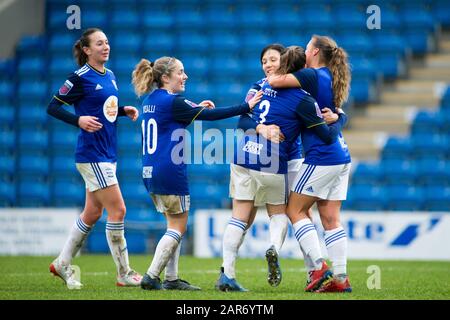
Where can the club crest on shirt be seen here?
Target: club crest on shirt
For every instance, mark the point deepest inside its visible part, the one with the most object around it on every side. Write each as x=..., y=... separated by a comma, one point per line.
x=192, y=104
x=66, y=87
x=111, y=108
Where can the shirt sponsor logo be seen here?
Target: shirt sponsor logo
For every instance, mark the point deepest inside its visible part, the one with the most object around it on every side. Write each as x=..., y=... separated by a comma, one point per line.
x=111, y=108
x=147, y=172
x=66, y=87
x=253, y=147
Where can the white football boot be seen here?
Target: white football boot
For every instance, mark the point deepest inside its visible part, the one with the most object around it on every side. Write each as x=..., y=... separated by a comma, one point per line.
x=66, y=273
x=130, y=279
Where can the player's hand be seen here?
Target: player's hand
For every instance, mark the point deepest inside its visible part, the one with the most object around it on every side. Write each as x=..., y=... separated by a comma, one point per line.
x=89, y=123
x=329, y=116
x=208, y=104
x=270, y=132
x=131, y=112
x=256, y=98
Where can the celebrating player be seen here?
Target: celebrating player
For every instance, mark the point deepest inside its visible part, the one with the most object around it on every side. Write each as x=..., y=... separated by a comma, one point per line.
x=166, y=114
x=92, y=90
x=262, y=166
x=327, y=79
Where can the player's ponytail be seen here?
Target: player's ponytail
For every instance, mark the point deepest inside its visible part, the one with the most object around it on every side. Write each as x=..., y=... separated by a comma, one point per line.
x=336, y=59
x=148, y=75
x=78, y=52
x=142, y=77
x=292, y=59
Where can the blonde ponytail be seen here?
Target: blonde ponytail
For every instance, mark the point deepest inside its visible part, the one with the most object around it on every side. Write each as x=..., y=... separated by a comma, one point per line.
x=336, y=59
x=142, y=78
x=340, y=71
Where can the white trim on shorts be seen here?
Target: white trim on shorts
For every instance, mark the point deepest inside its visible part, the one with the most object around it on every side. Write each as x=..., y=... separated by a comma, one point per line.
x=98, y=175
x=294, y=167
x=324, y=182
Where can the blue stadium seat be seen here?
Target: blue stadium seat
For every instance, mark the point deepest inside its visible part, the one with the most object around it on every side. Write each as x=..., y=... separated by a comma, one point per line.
x=32, y=91
x=34, y=165
x=194, y=64
x=397, y=148
x=362, y=89
x=33, y=140
x=429, y=146
x=33, y=194
x=159, y=41
x=426, y=123
x=224, y=43
x=7, y=115
x=404, y=198
x=190, y=19
x=7, y=89
x=7, y=69
x=437, y=198
x=31, y=46
x=33, y=115
x=364, y=67
x=398, y=172
x=96, y=241
x=63, y=164
x=225, y=21
x=209, y=196
x=7, y=141
x=60, y=67
x=135, y=194
x=127, y=43
x=349, y=17
x=224, y=68
x=366, y=173
x=7, y=194
x=433, y=172
x=125, y=19
x=158, y=20
x=93, y=18
x=7, y=165
x=441, y=12
x=192, y=41
x=366, y=197
x=64, y=138
x=67, y=194
x=62, y=43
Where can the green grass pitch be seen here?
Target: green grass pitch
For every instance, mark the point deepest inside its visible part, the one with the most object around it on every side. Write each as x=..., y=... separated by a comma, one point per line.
x=28, y=278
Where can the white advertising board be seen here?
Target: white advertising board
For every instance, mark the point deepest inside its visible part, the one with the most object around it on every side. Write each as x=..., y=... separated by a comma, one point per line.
x=34, y=231
x=374, y=235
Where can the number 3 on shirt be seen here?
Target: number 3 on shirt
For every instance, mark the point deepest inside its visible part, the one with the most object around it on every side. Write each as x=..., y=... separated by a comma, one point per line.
x=149, y=136
x=265, y=104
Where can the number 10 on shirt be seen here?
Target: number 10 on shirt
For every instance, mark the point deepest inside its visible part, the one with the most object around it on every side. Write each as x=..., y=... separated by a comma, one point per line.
x=149, y=136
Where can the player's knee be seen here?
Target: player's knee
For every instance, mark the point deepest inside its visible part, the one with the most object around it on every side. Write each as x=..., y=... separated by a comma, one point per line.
x=330, y=223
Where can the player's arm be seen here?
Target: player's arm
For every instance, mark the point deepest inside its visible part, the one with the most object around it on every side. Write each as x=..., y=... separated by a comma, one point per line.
x=187, y=111
x=283, y=81
x=308, y=110
x=303, y=78
x=70, y=92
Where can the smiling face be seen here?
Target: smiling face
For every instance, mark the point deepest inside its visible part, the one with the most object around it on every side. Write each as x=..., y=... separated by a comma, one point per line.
x=176, y=80
x=270, y=61
x=98, y=50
